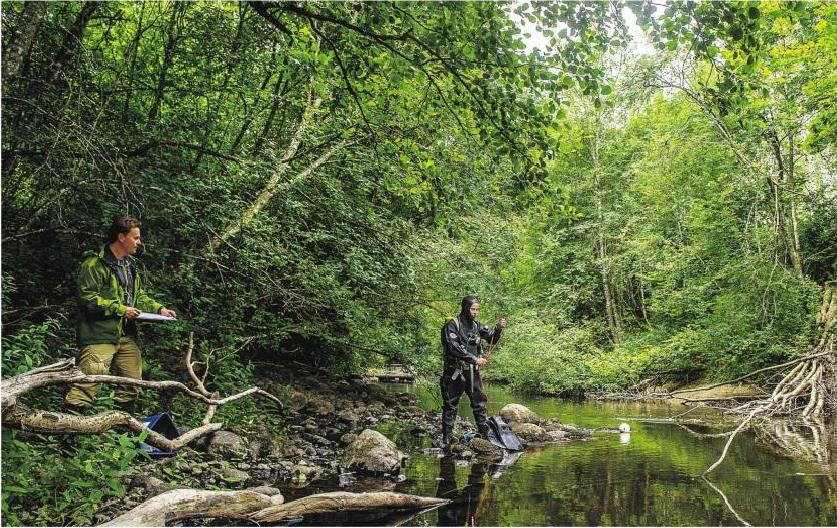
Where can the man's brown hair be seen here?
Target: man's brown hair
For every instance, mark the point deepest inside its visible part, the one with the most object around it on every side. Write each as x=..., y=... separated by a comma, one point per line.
x=122, y=224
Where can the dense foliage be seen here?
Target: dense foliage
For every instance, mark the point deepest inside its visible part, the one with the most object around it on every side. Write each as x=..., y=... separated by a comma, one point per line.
x=322, y=182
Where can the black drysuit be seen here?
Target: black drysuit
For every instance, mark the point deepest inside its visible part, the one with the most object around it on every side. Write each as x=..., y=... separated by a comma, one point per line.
x=462, y=340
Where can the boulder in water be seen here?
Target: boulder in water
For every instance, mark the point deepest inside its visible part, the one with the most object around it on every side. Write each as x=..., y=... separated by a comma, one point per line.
x=516, y=413
x=529, y=432
x=484, y=448
x=372, y=452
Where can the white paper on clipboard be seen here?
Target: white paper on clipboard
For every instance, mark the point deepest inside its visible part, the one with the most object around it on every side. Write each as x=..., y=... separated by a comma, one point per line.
x=156, y=318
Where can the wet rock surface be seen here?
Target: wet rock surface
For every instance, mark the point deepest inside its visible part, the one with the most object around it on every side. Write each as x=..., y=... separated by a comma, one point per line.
x=372, y=452
x=516, y=413
x=326, y=434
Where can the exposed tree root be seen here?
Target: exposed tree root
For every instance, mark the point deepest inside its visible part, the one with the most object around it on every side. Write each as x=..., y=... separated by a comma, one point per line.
x=726, y=501
x=807, y=385
x=188, y=503
x=807, y=390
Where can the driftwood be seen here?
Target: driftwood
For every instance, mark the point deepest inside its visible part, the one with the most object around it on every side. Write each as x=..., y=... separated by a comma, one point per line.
x=187, y=503
x=62, y=423
x=341, y=501
x=65, y=372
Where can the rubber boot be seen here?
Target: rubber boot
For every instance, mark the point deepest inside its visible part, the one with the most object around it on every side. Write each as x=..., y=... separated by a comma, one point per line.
x=483, y=433
x=447, y=441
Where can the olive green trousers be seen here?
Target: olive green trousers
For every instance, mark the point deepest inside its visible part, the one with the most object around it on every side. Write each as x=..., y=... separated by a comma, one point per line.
x=97, y=359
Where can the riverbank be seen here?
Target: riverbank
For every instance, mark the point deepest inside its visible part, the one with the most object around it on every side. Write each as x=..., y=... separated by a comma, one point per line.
x=322, y=417
x=301, y=453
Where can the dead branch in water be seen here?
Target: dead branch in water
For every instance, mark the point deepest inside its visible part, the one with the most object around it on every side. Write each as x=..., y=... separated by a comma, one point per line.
x=247, y=504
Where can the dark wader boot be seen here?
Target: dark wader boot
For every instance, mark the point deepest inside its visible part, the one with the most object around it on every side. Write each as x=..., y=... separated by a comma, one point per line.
x=464, y=379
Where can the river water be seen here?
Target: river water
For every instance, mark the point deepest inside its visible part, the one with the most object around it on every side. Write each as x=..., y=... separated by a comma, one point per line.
x=779, y=476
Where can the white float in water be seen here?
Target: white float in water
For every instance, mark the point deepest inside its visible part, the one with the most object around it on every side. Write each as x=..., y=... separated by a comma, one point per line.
x=624, y=428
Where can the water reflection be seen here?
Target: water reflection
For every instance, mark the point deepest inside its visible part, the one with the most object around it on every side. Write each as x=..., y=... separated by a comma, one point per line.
x=648, y=477
x=464, y=509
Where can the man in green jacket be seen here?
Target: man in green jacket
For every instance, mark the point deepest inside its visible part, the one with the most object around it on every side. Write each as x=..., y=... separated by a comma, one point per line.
x=110, y=298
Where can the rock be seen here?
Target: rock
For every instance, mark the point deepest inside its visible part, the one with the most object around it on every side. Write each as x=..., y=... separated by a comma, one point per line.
x=514, y=412
x=266, y=490
x=333, y=434
x=225, y=444
x=317, y=439
x=372, y=452
x=233, y=475
x=153, y=486
x=320, y=406
x=484, y=448
x=573, y=432
x=556, y=436
x=244, y=466
x=529, y=432
x=348, y=417
x=348, y=438
x=303, y=473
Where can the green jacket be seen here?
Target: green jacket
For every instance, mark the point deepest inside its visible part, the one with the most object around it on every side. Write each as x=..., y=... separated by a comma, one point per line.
x=100, y=300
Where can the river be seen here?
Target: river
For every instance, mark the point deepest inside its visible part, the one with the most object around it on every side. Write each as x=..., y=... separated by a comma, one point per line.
x=651, y=477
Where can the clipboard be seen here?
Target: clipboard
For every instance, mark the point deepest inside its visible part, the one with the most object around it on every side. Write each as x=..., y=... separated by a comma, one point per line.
x=154, y=318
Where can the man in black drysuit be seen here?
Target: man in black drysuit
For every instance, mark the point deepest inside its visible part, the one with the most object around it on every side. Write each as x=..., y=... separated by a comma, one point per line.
x=462, y=340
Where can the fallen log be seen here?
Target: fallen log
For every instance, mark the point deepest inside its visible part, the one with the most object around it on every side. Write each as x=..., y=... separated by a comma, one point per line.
x=189, y=503
x=62, y=423
x=341, y=501
x=246, y=504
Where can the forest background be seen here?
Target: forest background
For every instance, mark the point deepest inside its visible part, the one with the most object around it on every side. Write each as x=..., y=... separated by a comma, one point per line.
x=322, y=183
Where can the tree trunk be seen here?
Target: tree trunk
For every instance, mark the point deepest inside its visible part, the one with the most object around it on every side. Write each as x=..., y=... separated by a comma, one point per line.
x=790, y=241
x=50, y=422
x=791, y=182
x=274, y=107
x=172, y=37
x=611, y=311
x=273, y=184
x=60, y=71
x=16, y=54
x=133, y=49
x=253, y=506
x=233, y=58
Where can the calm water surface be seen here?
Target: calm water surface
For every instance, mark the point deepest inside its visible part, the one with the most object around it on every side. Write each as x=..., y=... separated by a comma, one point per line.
x=650, y=477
